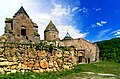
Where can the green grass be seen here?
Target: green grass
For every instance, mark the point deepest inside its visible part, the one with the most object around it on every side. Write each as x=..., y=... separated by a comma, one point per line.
x=100, y=67
x=76, y=73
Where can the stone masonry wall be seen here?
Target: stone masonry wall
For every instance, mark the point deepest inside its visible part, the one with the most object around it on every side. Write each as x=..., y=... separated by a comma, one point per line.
x=92, y=51
x=24, y=57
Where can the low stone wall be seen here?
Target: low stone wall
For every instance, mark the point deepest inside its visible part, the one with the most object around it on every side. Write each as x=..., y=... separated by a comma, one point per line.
x=23, y=58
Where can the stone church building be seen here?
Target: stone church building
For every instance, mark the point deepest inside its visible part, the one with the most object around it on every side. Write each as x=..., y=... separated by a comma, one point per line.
x=86, y=51
x=21, y=27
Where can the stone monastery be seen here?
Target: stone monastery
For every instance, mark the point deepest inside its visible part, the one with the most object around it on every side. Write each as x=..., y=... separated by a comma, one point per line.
x=21, y=27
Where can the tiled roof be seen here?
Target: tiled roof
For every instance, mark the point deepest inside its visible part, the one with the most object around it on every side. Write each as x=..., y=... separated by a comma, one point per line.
x=22, y=10
x=51, y=27
x=67, y=37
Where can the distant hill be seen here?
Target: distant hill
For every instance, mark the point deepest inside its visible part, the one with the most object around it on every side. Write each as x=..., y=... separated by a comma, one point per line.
x=110, y=49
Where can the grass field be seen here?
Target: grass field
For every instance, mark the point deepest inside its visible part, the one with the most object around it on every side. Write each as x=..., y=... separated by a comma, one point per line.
x=99, y=70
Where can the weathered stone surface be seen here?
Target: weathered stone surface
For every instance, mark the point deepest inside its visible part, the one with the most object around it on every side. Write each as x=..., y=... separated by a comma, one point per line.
x=36, y=65
x=13, y=71
x=18, y=54
x=51, y=58
x=41, y=70
x=13, y=51
x=2, y=71
x=9, y=59
x=6, y=69
x=25, y=62
x=1, y=50
x=66, y=52
x=59, y=55
x=72, y=53
x=6, y=63
x=48, y=70
x=19, y=66
x=20, y=58
x=3, y=38
x=3, y=59
x=8, y=72
x=43, y=63
x=38, y=61
x=24, y=66
x=14, y=59
x=65, y=67
x=13, y=67
x=55, y=64
x=22, y=71
x=54, y=69
x=30, y=64
x=37, y=70
x=74, y=60
x=66, y=59
x=42, y=54
x=51, y=64
x=58, y=68
x=59, y=62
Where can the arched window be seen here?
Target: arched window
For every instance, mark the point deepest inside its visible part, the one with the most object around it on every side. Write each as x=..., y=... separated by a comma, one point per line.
x=23, y=30
x=54, y=36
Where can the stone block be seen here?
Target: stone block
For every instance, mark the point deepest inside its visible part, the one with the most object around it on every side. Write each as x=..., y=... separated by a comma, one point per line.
x=44, y=64
x=51, y=64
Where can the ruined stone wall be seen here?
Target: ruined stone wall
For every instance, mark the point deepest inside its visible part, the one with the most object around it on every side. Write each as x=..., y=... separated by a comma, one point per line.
x=24, y=57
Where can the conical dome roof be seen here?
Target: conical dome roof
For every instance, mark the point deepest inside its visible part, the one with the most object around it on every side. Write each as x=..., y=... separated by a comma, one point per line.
x=67, y=37
x=22, y=10
x=51, y=27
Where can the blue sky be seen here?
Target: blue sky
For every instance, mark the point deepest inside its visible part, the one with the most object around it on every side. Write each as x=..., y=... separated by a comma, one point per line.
x=93, y=20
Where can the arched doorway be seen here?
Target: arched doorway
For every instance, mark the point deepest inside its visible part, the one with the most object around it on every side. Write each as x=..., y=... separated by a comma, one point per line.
x=81, y=56
x=80, y=59
x=23, y=30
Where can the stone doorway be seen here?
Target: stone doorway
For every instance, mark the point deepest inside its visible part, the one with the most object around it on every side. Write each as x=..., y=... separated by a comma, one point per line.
x=80, y=59
x=80, y=56
x=88, y=60
x=23, y=31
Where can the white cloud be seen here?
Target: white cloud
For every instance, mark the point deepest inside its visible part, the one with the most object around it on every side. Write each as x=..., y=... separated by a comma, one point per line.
x=117, y=36
x=94, y=25
x=116, y=33
x=97, y=9
x=74, y=9
x=8, y=9
x=103, y=32
x=103, y=22
x=61, y=16
x=99, y=24
x=60, y=11
x=75, y=33
x=84, y=10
